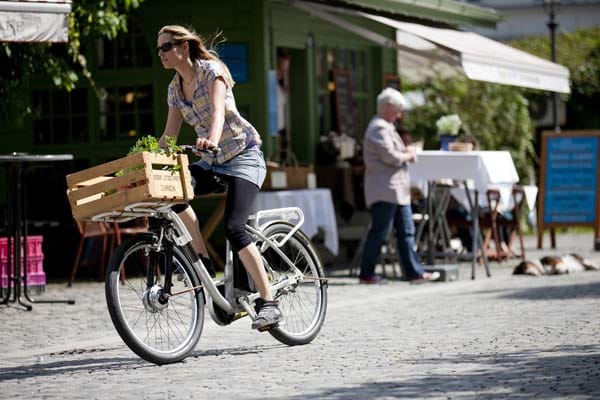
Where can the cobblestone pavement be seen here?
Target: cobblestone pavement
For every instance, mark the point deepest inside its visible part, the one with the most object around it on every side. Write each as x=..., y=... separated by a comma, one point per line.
x=501, y=337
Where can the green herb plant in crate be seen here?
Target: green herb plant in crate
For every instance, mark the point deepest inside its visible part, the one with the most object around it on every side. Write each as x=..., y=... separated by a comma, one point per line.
x=150, y=144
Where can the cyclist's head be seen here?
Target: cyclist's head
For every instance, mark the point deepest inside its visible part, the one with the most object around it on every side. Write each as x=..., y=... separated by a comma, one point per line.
x=197, y=47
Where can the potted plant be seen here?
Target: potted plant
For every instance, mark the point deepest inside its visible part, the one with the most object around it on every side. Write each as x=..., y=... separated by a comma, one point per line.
x=447, y=127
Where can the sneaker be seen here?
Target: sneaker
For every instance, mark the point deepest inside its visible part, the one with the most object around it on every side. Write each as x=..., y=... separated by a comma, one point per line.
x=373, y=280
x=268, y=315
x=427, y=277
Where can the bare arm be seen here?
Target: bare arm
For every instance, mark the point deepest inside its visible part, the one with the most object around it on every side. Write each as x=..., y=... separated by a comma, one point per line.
x=173, y=125
x=217, y=91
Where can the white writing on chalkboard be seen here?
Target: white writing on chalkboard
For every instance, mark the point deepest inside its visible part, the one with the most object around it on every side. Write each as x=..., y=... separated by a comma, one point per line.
x=571, y=177
x=344, y=105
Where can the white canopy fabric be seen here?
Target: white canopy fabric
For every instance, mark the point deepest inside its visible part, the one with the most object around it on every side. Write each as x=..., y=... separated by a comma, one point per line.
x=480, y=58
x=34, y=21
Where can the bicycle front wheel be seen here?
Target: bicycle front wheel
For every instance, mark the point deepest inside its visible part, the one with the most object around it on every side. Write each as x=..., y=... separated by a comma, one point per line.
x=160, y=329
x=303, y=303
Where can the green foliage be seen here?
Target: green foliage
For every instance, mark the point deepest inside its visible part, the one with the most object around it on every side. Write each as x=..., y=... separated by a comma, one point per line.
x=579, y=51
x=63, y=63
x=150, y=143
x=496, y=115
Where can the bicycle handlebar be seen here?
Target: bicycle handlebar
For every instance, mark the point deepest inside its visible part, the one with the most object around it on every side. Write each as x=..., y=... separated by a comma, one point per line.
x=195, y=150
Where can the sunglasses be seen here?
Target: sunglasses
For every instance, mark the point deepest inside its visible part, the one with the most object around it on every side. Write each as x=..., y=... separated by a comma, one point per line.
x=166, y=47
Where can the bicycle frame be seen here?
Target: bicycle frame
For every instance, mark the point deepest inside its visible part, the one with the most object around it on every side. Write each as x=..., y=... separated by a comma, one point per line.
x=182, y=238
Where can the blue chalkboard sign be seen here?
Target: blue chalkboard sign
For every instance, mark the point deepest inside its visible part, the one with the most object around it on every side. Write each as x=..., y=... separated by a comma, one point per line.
x=569, y=192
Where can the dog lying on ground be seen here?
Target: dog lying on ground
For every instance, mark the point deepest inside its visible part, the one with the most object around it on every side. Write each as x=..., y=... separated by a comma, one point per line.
x=551, y=265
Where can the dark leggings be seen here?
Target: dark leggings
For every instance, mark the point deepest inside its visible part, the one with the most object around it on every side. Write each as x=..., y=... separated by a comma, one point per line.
x=240, y=199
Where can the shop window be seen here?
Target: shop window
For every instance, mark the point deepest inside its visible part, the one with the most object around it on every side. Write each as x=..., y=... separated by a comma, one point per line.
x=61, y=116
x=355, y=62
x=129, y=50
x=126, y=113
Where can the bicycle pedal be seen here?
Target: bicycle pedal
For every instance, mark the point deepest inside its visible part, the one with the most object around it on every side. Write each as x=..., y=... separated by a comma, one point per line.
x=268, y=327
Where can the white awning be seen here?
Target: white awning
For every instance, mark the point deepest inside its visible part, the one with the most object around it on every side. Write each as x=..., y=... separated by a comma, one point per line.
x=480, y=58
x=34, y=21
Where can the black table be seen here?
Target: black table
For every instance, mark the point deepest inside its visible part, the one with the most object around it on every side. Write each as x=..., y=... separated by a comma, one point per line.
x=17, y=165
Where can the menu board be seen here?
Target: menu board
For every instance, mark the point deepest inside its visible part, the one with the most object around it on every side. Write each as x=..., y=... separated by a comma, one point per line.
x=344, y=106
x=569, y=179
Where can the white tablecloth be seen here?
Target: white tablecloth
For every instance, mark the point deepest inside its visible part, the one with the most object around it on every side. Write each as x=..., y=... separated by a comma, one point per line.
x=317, y=206
x=482, y=170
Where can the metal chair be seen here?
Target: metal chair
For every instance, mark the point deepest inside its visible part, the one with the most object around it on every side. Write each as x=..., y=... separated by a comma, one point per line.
x=139, y=225
x=489, y=222
x=89, y=230
x=513, y=222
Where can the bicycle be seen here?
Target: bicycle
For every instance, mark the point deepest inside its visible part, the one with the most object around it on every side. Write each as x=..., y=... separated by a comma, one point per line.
x=157, y=287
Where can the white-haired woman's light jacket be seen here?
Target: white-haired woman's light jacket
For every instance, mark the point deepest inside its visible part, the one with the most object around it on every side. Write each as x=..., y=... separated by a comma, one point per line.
x=386, y=164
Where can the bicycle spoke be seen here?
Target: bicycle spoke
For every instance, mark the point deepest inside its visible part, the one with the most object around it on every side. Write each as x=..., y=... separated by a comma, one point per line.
x=154, y=326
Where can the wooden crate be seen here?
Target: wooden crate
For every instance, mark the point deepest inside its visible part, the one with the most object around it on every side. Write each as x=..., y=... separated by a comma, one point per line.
x=287, y=177
x=98, y=190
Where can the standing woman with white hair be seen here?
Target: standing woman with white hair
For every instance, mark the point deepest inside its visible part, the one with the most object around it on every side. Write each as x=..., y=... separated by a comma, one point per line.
x=387, y=191
x=201, y=94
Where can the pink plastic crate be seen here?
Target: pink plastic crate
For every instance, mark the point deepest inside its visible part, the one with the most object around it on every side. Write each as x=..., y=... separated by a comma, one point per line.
x=36, y=279
x=3, y=267
x=35, y=270
x=35, y=265
x=3, y=248
x=33, y=281
x=34, y=246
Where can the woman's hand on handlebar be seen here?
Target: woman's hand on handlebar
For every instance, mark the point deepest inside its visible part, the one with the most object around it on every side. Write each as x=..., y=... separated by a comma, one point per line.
x=198, y=151
x=203, y=143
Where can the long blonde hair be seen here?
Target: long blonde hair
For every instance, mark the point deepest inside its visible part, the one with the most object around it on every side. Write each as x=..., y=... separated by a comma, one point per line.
x=198, y=50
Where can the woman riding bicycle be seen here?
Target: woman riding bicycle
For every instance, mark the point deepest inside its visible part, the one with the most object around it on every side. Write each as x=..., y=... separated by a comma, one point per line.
x=201, y=94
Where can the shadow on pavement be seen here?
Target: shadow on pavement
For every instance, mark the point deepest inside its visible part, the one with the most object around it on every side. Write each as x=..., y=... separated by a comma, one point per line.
x=68, y=367
x=578, y=291
x=510, y=375
x=235, y=351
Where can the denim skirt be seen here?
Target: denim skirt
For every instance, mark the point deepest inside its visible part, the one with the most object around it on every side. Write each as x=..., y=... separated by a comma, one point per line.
x=248, y=165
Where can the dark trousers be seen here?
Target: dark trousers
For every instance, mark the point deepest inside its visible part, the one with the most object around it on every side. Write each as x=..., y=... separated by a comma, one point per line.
x=383, y=217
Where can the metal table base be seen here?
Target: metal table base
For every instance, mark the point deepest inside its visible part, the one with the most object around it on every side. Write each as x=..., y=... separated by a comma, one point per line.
x=17, y=164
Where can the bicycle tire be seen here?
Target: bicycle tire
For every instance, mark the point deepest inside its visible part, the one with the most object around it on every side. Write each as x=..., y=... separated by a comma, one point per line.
x=303, y=305
x=158, y=332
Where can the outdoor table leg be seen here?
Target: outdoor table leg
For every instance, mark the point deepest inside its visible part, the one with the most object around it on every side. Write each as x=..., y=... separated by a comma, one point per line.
x=442, y=229
x=476, y=236
x=438, y=231
x=15, y=203
x=430, y=222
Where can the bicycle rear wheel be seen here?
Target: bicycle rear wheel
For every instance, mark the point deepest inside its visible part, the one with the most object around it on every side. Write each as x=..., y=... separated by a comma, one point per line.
x=303, y=304
x=158, y=329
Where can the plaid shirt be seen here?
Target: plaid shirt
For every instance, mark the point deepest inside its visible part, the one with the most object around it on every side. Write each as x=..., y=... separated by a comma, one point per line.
x=237, y=134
